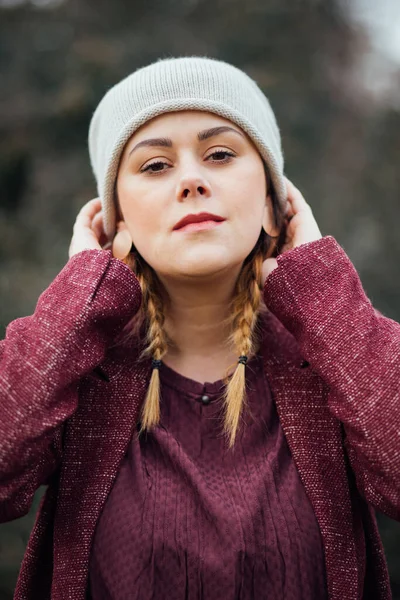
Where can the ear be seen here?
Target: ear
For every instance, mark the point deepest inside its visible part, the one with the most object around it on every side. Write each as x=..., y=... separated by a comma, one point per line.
x=268, y=222
x=121, y=225
x=118, y=213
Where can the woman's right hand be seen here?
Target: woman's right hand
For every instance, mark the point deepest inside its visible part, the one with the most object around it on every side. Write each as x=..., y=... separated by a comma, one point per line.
x=88, y=231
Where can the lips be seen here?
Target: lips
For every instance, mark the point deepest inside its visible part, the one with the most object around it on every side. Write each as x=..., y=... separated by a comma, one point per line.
x=198, y=219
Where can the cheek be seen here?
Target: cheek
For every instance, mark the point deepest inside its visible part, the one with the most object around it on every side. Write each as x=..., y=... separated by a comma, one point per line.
x=142, y=213
x=247, y=203
x=248, y=187
x=144, y=226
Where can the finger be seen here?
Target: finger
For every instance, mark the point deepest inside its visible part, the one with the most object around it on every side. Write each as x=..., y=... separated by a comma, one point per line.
x=97, y=225
x=91, y=206
x=289, y=210
x=289, y=192
x=295, y=198
x=89, y=210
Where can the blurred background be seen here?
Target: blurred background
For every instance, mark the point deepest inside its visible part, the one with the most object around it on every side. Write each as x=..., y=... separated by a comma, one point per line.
x=330, y=68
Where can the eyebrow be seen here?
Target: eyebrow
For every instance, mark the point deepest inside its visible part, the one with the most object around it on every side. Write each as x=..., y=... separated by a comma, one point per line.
x=201, y=136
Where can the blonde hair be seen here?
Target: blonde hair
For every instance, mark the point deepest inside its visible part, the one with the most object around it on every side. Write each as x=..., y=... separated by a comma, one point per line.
x=245, y=308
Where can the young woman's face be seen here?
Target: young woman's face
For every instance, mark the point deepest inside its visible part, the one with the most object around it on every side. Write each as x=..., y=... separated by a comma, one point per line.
x=186, y=163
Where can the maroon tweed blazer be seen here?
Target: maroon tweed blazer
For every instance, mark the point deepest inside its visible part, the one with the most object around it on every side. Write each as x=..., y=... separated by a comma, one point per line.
x=70, y=396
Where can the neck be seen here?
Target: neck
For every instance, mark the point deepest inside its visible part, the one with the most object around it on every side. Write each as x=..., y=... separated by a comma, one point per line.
x=196, y=315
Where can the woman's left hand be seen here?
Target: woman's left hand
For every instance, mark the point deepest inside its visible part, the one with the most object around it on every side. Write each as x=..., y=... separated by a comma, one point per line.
x=301, y=226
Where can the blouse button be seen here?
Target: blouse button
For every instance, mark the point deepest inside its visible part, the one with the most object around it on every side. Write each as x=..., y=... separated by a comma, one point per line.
x=205, y=399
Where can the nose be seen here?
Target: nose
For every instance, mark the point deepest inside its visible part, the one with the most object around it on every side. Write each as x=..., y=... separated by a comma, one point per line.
x=192, y=186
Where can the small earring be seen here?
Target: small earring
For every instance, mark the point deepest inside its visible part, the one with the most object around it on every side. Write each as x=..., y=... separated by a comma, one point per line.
x=122, y=244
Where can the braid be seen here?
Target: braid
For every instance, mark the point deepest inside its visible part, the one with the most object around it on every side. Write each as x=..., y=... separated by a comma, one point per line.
x=247, y=304
x=152, y=301
x=157, y=348
x=152, y=311
x=245, y=308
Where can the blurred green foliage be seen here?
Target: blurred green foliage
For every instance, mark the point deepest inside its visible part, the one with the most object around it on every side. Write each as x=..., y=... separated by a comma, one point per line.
x=341, y=146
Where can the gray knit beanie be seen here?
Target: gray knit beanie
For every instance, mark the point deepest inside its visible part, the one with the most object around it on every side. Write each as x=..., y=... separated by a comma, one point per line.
x=173, y=84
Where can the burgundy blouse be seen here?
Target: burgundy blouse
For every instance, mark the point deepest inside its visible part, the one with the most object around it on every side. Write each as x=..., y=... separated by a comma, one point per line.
x=214, y=524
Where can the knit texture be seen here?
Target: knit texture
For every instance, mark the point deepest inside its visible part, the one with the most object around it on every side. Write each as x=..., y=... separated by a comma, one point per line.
x=70, y=400
x=174, y=84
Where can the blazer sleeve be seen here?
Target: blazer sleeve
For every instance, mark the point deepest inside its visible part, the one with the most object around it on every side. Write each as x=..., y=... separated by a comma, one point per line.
x=318, y=296
x=42, y=359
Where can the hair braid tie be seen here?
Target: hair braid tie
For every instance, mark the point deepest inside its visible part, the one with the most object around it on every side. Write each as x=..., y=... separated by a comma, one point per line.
x=156, y=364
x=242, y=359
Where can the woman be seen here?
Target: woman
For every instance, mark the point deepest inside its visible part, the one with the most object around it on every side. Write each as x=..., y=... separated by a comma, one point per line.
x=213, y=402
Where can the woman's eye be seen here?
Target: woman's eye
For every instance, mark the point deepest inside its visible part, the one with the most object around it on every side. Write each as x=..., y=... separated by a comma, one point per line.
x=221, y=156
x=154, y=167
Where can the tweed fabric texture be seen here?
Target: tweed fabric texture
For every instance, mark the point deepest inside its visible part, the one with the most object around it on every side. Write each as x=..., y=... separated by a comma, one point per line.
x=174, y=84
x=70, y=400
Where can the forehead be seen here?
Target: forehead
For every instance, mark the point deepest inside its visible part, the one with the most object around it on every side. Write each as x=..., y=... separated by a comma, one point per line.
x=189, y=122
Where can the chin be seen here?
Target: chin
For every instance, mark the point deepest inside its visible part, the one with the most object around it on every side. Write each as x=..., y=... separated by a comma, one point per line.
x=199, y=267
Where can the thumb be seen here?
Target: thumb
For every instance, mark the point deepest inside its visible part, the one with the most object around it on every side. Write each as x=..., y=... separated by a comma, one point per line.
x=269, y=265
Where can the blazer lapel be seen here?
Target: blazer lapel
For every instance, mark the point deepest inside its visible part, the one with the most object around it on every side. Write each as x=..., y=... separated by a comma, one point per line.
x=314, y=437
x=97, y=438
